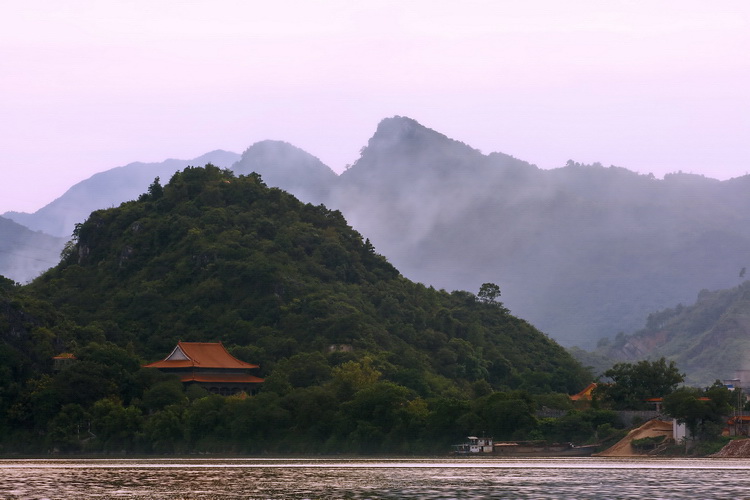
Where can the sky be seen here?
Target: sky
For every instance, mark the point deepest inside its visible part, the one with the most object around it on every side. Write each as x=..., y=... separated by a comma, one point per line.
x=85, y=86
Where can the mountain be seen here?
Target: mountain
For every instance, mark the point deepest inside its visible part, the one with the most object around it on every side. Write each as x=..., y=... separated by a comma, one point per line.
x=24, y=254
x=708, y=340
x=281, y=164
x=211, y=256
x=581, y=251
x=356, y=358
x=107, y=189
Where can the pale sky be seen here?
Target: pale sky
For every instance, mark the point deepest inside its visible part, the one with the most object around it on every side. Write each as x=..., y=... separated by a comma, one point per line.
x=86, y=86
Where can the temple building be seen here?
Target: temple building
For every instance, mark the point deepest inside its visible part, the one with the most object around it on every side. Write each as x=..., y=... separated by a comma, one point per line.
x=63, y=360
x=209, y=365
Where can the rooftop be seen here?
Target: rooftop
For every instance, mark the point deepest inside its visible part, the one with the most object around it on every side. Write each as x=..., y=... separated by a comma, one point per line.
x=201, y=355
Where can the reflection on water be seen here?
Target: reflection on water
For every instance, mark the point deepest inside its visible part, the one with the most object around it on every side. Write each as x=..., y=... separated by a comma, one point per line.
x=580, y=478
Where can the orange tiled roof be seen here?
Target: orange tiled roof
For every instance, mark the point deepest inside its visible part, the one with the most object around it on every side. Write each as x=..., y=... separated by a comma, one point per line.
x=65, y=355
x=661, y=400
x=584, y=394
x=200, y=355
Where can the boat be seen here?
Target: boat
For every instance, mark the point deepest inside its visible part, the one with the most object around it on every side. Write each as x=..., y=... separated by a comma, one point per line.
x=542, y=449
x=474, y=445
x=486, y=446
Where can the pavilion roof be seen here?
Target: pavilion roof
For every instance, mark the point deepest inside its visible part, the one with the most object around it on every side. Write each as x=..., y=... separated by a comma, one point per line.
x=200, y=355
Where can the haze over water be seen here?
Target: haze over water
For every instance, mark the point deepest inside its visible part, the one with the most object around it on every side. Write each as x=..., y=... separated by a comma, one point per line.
x=588, y=478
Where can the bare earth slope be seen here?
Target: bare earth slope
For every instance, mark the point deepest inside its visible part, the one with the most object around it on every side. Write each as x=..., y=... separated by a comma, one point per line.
x=652, y=428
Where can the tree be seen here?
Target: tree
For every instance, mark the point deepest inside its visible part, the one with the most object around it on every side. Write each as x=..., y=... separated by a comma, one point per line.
x=353, y=376
x=506, y=415
x=702, y=411
x=155, y=189
x=164, y=430
x=376, y=416
x=162, y=394
x=69, y=428
x=632, y=383
x=488, y=293
x=114, y=425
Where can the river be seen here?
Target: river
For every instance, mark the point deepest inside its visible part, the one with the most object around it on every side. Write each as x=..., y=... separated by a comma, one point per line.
x=578, y=478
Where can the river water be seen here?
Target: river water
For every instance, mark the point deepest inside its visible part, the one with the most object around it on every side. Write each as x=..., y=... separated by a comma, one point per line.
x=578, y=478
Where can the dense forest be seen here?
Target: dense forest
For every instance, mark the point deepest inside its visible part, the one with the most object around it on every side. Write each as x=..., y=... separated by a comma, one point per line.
x=356, y=357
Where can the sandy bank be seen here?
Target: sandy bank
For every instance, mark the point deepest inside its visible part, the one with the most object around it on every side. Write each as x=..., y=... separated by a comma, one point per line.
x=623, y=448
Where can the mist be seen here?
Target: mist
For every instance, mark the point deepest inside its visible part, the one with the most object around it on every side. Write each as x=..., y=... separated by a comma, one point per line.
x=581, y=251
x=24, y=254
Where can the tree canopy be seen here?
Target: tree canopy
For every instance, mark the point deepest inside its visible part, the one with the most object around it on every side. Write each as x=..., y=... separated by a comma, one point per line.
x=703, y=411
x=632, y=383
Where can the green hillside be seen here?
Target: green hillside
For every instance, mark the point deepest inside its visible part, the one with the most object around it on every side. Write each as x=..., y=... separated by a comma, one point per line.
x=356, y=357
x=708, y=339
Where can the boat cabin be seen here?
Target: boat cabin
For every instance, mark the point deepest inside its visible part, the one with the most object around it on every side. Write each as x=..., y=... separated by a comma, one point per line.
x=474, y=445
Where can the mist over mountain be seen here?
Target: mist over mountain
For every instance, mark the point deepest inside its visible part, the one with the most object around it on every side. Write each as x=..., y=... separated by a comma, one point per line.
x=24, y=254
x=281, y=164
x=108, y=189
x=582, y=251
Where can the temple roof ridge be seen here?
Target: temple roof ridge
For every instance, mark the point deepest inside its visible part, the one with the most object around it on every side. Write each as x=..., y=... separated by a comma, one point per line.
x=200, y=355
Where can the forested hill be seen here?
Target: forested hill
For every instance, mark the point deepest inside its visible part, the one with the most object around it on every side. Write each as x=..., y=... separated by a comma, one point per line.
x=215, y=257
x=707, y=339
x=355, y=357
x=582, y=251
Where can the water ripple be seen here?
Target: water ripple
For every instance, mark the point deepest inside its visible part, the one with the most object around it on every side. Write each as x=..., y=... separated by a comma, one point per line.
x=173, y=479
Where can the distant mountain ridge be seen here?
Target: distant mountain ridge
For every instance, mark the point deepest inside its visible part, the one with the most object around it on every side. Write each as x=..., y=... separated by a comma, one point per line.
x=107, y=189
x=582, y=251
x=25, y=253
x=29, y=252
x=284, y=165
x=707, y=339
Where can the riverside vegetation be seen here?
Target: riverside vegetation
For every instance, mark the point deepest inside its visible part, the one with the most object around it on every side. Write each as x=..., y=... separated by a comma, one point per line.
x=357, y=359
